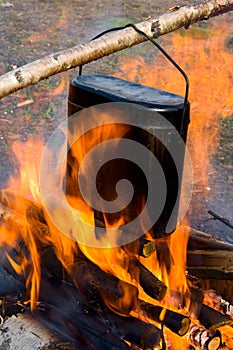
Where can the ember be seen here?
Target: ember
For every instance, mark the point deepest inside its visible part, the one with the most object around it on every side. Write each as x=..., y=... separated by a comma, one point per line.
x=105, y=295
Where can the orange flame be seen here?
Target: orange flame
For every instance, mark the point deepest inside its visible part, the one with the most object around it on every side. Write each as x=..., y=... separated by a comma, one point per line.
x=24, y=189
x=203, y=55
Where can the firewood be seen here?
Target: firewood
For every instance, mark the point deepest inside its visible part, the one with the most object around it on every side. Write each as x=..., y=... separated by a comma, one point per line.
x=146, y=248
x=221, y=287
x=150, y=283
x=199, y=240
x=164, y=255
x=62, y=309
x=135, y=331
x=142, y=247
x=61, y=61
x=96, y=285
x=210, y=264
x=227, y=308
x=211, y=318
x=176, y=322
x=208, y=257
x=11, y=305
x=93, y=283
x=204, y=338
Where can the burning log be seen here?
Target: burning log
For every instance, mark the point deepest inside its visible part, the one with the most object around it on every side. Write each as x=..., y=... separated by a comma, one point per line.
x=9, y=284
x=164, y=256
x=98, y=285
x=176, y=322
x=137, y=332
x=151, y=285
x=146, y=248
x=142, y=247
x=212, y=319
x=95, y=285
x=69, y=317
x=61, y=61
x=227, y=308
x=221, y=287
x=204, y=338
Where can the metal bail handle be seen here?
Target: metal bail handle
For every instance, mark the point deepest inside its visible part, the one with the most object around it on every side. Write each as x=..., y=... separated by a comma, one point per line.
x=163, y=52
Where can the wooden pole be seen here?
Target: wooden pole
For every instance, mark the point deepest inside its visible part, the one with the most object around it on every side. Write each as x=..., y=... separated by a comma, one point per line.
x=61, y=61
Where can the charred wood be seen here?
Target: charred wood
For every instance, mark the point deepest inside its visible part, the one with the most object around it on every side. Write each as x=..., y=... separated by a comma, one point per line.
x=137, y=332
x=151, y=285
x=164, y=256
x=226, y=307
x=146, y=247
x=176, y=322
x=204, y=338
x=142, y=247
x=223, y=287
x=8, y=283
x=212, y=319
x=51, y=264
x=69, y=317
x=210, y=274
x=11, y=305
x=96, y=285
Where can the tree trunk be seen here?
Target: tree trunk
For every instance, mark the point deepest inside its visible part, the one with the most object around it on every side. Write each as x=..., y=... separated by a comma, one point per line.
x=61, y=61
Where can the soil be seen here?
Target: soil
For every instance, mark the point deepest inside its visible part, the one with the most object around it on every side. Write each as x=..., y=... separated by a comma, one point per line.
x=32, y=29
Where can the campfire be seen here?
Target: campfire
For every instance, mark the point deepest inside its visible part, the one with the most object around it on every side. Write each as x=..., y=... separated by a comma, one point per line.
x=156, y=290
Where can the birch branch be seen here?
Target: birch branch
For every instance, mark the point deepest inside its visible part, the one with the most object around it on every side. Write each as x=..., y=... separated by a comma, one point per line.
x=61, y=61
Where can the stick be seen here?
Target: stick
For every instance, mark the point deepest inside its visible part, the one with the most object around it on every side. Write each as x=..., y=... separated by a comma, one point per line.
x=223, y=220
x=61, y=61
